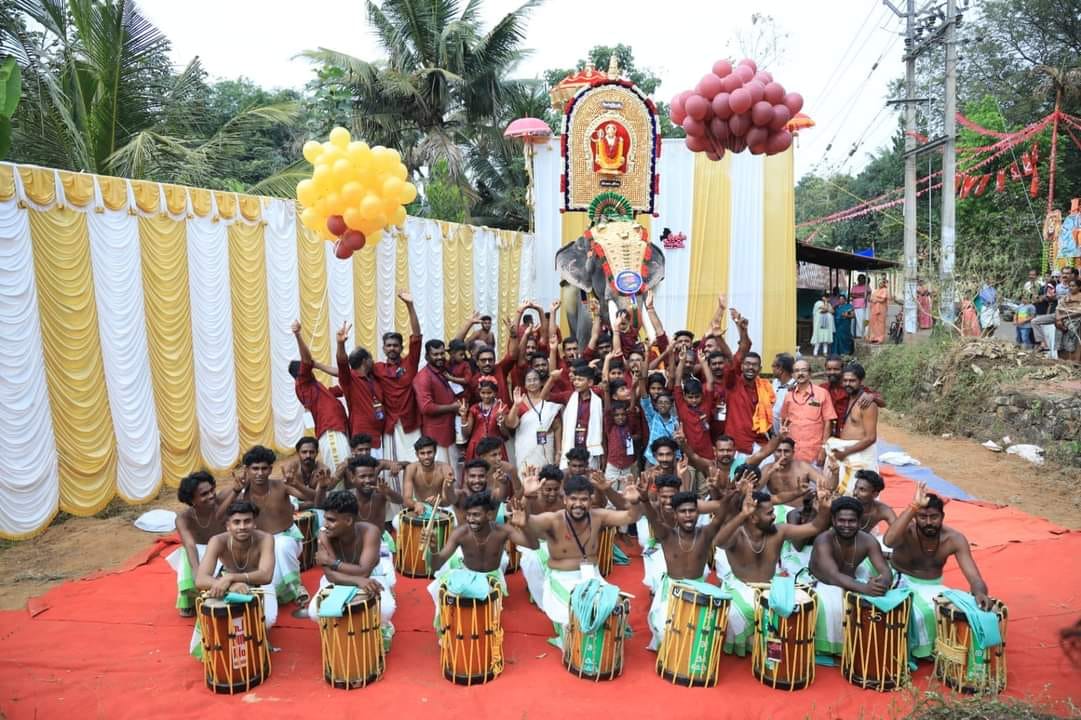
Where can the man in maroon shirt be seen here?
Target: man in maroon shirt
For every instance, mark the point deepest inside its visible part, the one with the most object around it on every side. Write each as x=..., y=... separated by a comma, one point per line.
x=487, y=366
x=741, y=390
x=362, y=393
x=835, y=366
x=437, y=404
x=395, y=379
x=326, y=410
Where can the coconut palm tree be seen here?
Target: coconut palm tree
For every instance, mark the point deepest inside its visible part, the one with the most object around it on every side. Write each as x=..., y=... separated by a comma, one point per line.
x=442, y=74
x=101, y=96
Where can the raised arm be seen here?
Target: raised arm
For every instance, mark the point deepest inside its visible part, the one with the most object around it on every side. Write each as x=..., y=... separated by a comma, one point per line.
x=305, y=352
x=809, y=530
x=624, y=517
x=728, y=530
x=454, y=540
x=516, y=526
x=470, y=321
x=414, y=322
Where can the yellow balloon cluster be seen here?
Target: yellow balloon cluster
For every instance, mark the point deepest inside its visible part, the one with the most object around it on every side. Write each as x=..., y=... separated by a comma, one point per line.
x=364, y=188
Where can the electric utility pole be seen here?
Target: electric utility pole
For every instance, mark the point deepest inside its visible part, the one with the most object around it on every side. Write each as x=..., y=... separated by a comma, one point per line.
x=948, y=295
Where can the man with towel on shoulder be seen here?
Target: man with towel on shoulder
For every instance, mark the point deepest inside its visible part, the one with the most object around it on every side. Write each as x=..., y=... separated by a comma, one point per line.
x=921, y=546
x=349, y=555
x=856, y=447
x=573, y=535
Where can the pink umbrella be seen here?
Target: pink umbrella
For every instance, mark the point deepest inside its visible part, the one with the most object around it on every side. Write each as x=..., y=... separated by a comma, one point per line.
x=530, y=131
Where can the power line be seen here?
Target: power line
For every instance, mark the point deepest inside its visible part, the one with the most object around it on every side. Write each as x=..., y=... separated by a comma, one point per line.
x=844, y=55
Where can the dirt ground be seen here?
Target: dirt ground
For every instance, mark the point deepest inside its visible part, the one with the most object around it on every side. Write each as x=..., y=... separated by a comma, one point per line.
x=78, y=547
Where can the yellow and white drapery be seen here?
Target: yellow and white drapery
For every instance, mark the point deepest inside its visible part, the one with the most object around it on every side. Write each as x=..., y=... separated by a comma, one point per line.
x=145, y=327
x=739, y=218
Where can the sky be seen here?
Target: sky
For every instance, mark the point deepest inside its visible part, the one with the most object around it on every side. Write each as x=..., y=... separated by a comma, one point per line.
x=828, y=55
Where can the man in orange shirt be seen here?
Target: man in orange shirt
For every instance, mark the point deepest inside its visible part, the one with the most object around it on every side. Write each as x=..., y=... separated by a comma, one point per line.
x=809, y=415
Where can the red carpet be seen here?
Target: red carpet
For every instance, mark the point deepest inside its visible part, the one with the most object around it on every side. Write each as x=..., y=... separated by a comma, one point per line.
x=113, y=647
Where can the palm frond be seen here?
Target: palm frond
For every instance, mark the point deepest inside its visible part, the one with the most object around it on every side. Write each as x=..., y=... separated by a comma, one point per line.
x=282, y=183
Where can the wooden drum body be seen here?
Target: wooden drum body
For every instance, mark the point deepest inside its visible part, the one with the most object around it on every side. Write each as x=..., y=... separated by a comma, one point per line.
x=606, y=542
x=957, y=663
x=514, y=558
x=410, y=558
x=352, y=645
x=471, y=636
x=783, y=655
x=693, y=633
x=236, y=652
x=875, y=651
x=306, y=523
x=597, y=655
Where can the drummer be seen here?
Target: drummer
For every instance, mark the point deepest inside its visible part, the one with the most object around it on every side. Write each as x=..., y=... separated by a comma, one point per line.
x=476, y=545
x=657, y=512
x=686, y=546
x=547, y=497
x=573, y=537
x=752, y=543
x=425, y=479
x=373, y=496
x=239, y=560
x=921, y=545
x=349, y=554
x=837, y=561
x=869, y=485
x=204, y=518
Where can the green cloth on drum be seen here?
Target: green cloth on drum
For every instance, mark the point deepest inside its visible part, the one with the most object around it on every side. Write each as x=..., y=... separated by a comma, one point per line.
x=468, y=584
x=592, y=602
x=294, y=532
x=232, y=597
x=703, y=587
x=389, y=542
x=782, y=595
x=890, y=600
x=619, y=557
x=984, y=625
x=333, y=605
x=501, y=514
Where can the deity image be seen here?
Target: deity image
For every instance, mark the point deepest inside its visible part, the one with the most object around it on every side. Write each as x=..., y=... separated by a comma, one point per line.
x=611, y=148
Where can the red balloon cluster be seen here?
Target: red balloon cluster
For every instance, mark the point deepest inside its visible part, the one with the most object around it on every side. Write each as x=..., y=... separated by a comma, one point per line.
x=349, y=240
x=736, y=108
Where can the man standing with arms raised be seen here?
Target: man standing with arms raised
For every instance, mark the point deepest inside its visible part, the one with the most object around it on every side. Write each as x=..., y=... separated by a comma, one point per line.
x=437, y=404
x=363, y=395
x=325, y=408
x=395, y=378
x=750, y=398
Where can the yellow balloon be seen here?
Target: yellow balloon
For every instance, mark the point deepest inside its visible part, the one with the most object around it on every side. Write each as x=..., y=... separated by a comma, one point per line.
x=353, y=218
x=398, y=217
x=306, y=192
x=322, y=206
x=331, y=157
x=340, y=137
x=408, y=193
x=322, y=178
x=335, y=204
x=310, y=218
x=343, y=171
x=392, y=188
x=352, y=192
x=370, y=206
x=400, y=171
x=359, y=153
x=312, y=150
x=369, y=227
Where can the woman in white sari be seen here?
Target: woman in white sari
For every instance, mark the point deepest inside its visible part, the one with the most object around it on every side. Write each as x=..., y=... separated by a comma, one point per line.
x=822, y=322
x=536, y=422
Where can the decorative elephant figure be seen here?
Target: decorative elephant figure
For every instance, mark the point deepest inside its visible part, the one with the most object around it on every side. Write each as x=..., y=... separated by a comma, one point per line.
x=615, y=262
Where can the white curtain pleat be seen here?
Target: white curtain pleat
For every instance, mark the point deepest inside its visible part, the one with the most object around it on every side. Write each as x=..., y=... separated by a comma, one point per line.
x=340, y=296
x=29, y=474
x=527, y=276
x=486, y=277
x=548, y=223
x=118, y=294
x=283, y=301
x=386, y=291
x=212, y=340
x=745, y=265
x=426, y=274
x=675, y=211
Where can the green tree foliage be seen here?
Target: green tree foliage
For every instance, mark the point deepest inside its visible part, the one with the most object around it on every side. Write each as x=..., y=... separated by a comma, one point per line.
x=10, y=90
x=443, y=198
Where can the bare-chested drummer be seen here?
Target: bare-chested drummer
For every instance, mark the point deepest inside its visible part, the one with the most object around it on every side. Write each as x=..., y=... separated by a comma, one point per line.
x=839, y=563
x=348, y=552
x=573, y=537
x=373, y=496
x=475, y=547
x=856, y=448
x=425, y=479
x=204, y=518
x=546, y=496
x=686, y=546
x=304, y=471
x=239, y=560
x=752, y=543
x=276, y=517
x=787, y=477
x=869, y=485
x=921, y=545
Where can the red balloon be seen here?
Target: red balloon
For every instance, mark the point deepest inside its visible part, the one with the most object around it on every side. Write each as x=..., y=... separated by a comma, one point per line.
x=756, y=136
x=740, y=100
x=697, y=144
x=764, y=76
x=779, y=142
x=721, y=108
x=722, y=68
x=730, y=83
x=677, y=111
x=736, y=144
x=697, y=107
x=762, y=113
x=774, y=93
x=757, y=90
x=738, y=125
x=718, y=129
x=353, y=239
x=708, y=86
x=342, y=251
x=780, y=117
x=715, y=156
x=694, y=128
x=758, y=149
x=745, y=73
x=747, y=62
x=336, y=225
x=794, y=103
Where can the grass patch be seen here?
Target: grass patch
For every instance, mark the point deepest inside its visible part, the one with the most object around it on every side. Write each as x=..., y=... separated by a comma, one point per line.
x=933, y=706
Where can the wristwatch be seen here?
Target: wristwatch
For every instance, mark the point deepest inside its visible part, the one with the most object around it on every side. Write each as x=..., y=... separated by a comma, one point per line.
x=337, y=564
